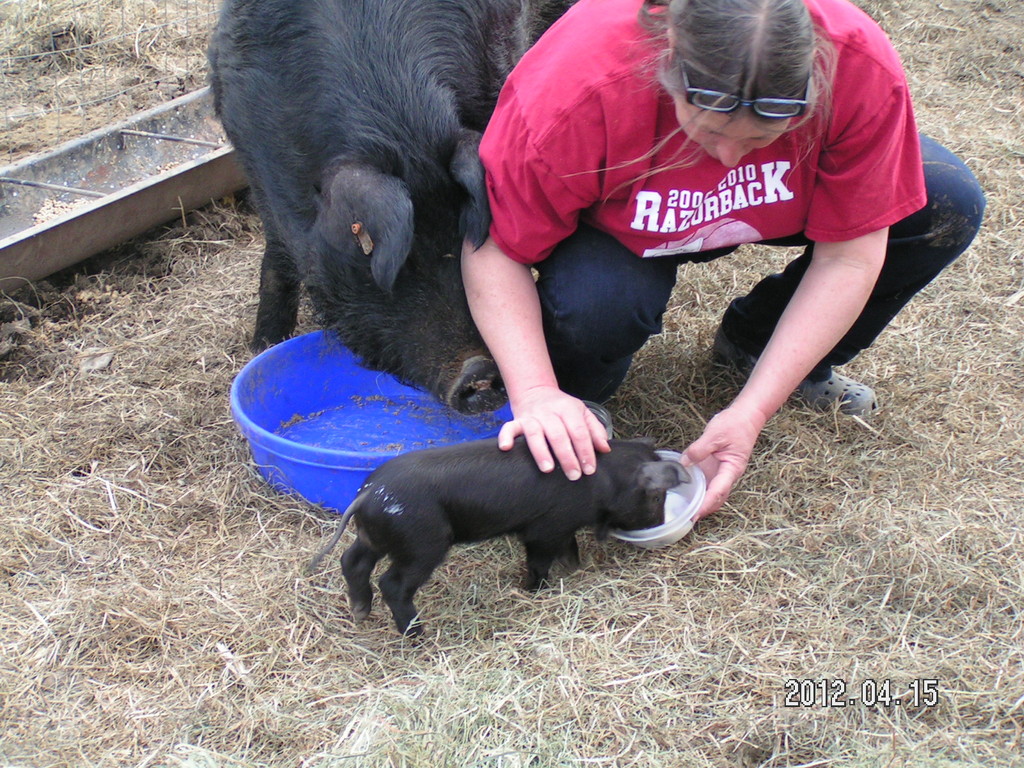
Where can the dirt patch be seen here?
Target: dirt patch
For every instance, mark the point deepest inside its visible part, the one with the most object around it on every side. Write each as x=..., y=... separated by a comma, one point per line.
x=68, y=67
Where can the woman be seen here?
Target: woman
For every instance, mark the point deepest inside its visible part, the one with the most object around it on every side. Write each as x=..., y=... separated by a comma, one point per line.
x=635, y=137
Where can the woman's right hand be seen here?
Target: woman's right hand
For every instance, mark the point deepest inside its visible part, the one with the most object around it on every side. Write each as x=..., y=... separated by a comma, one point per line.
x=558, y=428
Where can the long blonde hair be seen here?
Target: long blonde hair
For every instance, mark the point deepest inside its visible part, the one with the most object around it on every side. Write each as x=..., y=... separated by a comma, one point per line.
x=753, y=48
x=750, y=47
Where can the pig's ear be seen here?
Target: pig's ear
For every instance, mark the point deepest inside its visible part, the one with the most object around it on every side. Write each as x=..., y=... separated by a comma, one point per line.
x=389, y=255
x=365, y=214
x=466, y=168
x=662, y=475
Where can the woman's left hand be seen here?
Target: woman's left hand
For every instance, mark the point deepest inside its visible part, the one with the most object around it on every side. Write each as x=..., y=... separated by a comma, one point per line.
x=831, y=295
x=722, y=452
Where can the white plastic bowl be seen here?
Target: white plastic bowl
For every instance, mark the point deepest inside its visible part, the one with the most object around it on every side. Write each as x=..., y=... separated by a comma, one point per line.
x=681, y=504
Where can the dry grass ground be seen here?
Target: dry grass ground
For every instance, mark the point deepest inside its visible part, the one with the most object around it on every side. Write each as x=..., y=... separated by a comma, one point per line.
x=72, y=66
x=154, y=611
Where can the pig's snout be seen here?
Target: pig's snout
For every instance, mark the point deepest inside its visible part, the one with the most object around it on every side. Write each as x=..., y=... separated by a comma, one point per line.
x=478, y=388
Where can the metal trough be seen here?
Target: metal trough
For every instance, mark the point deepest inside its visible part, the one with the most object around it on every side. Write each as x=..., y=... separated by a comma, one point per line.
x=64, y=205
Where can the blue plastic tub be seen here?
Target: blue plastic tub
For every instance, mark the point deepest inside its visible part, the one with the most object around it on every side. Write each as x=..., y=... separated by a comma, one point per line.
x=318, y=423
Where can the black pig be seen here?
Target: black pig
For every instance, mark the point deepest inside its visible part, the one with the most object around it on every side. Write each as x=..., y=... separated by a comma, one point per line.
x=357, y=124
x=415, y=506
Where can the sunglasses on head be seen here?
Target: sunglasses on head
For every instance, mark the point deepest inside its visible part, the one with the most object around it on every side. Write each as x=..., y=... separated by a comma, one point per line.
x=719, y=101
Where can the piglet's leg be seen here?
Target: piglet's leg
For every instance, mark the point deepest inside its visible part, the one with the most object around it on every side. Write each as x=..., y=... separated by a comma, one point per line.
x=541, y=554
x=357, y=565
x=398, y=585
x=571, y=556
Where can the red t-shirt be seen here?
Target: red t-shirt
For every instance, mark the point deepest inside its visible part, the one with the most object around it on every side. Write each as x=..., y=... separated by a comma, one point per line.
x=571, y=139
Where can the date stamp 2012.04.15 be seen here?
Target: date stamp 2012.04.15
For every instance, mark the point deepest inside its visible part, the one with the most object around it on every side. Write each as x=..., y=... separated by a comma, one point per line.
x=829, y=692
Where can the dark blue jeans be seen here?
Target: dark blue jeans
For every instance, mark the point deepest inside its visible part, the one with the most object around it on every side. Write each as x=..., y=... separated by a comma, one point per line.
x=600, y=303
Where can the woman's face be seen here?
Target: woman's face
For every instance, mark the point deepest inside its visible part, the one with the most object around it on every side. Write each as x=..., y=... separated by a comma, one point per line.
x=727, y=136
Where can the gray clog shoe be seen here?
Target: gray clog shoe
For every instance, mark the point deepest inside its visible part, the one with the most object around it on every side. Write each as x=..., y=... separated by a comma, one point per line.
x=854, y=398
